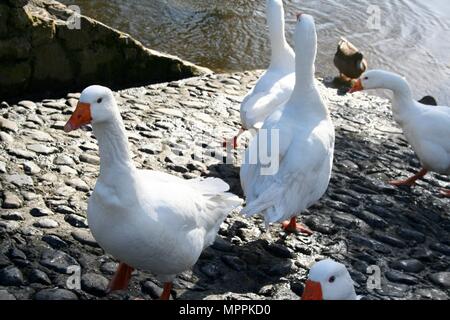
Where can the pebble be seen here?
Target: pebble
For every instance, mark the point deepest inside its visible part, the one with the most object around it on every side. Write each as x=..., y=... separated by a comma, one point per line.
x=55, y=294
x=442, y=279
x=38, y=276
x=5, y=295
x=152, y=289
x=16, y=216
x=11, y=276
x=54, y=241
x=279, y=250
x=409, y=265
x=22, y=154
x=95, y=284
x=31, y=168
x=19, y=180
x=84, y=237
x=234, y=262
x=441, y=248
x=46, y=223
x=8, y=125
x=41, y=212
x=109, y=267
x=2, y=167
x=64, y=160
x=11, y=201
x=76, y=221
x=91, y=159
x=78, y=184
x=399, y=277
x=57, y=260
x=41, y=149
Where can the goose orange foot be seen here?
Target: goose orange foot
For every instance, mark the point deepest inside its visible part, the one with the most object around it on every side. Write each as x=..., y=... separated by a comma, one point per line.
x=121, y=278
x=166, y=292
x=410, y=181
x=293, y=226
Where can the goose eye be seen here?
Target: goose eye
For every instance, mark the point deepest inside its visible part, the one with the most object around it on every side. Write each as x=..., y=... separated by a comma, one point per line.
x=99, y=100
x=332, y=279
x=366, y=78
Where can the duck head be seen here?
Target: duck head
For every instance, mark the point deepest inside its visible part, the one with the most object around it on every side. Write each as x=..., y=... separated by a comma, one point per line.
x=96, y=105
x=329, y=280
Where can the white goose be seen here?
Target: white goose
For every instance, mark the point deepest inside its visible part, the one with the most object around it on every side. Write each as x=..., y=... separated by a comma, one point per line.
x=329, y=280
x=275, y=85
x=426, y=128
x=304, y=151
x=146, y=219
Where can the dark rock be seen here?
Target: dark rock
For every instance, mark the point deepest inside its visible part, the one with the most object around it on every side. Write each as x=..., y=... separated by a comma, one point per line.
x=109, y=267
x=388, y=239
x=4, y=261
x=410, y=265
x=94, y=284
x=280, y=269
x=441, y=248
x=279, y=250
x=54, y=241
x=409, y=234
x=76, y=221
x=399, y=277
x=222, y=245
x=41, y=212
x=5, y=295
x=234, y=262
x=211, y=270
x=57, y=260
x=11, y=276
x=320, y=225
x=441, y=279
x=371, y=219
x=153, y=290
x=15, y=216
x=46, y=223
x=55, y=294
x=38, y=276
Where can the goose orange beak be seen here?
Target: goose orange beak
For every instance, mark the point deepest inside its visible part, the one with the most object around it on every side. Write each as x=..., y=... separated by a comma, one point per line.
x=80, y=117
x=357, y=86
x=313, y=291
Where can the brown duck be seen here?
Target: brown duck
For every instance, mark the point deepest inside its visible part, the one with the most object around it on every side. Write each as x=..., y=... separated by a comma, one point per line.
x=349, y=61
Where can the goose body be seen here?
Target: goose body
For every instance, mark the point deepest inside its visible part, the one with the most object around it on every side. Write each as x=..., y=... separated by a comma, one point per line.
x=329, y=280
x=146, y=219
x=303, y=148
x=425, y=127
x=349, y=60
x=275, y=85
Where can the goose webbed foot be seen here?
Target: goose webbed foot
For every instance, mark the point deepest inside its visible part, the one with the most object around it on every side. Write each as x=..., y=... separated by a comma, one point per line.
x=293, y=227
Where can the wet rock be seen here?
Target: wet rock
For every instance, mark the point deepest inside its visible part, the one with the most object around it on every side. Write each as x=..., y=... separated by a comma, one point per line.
x=4, y=261
x=57, y=260
x=399, y=277
x=211, y=270
x=5, y=295
x=54, y=241
x=388, y=239
x=410, y=265
x=94, y=284
x=55, y=294
x=234, y=263
x=279, y=250
x=11, y=201
x=441, y=279
x=222, y=245
x=76, y=221
x=371, y=219
x=38, y=276
x=431, y=294
x=11, y=276
x=413, y=235
x=320, y=225
x=280, y=269
x=441, y=248
x=109, y=267
x=152, y=289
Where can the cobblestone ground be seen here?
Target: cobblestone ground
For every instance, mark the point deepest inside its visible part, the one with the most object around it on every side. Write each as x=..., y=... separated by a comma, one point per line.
x=47, y=176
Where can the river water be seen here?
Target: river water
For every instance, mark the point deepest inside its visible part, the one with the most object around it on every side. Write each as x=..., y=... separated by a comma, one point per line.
x=411, y=38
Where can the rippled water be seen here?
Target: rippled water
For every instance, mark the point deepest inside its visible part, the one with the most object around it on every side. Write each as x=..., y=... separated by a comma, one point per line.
x=229, y=35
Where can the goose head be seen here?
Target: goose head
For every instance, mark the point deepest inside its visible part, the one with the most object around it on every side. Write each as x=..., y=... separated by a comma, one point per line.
x=375, y=79
x=96, y=105
x=305, y=39
x=329, y=280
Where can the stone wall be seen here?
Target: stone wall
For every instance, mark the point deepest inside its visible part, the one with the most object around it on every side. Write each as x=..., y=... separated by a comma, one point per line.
x=39, y=53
